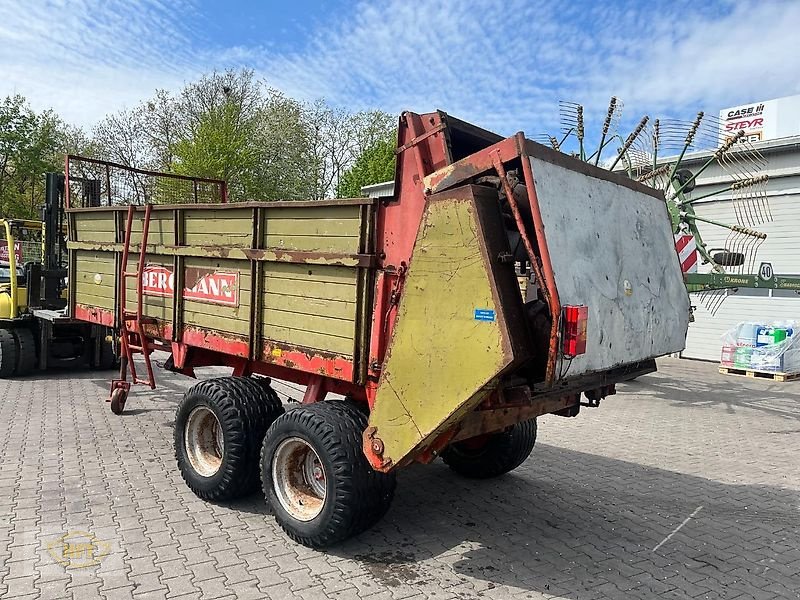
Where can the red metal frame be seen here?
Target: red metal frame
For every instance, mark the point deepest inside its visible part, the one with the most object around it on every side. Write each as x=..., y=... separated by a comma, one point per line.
x=546, y=277
x=106, y=163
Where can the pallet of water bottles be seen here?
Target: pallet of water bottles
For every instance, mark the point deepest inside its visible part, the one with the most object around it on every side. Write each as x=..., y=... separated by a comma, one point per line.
x=765, y=350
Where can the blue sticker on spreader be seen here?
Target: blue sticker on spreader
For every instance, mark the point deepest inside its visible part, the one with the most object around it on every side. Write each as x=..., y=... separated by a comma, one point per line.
x=484, y=314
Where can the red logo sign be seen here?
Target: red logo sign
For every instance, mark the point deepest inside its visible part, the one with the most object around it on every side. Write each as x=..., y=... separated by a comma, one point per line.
x=744, y=124
x=214, y=287
x=4, y=251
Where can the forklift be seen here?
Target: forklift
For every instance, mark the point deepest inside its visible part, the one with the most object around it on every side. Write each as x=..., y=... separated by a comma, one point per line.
x=35, y=331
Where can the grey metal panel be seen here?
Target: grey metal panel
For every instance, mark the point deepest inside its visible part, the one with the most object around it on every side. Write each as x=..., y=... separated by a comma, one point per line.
x=600, y=236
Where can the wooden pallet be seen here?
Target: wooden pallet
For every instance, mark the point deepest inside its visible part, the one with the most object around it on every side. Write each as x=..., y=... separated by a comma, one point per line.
x=756, y=374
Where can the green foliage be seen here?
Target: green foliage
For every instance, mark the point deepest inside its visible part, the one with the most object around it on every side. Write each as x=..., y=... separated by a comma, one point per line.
x=231, y=125
x=30, y=145
x=226, y=125
x=376, y=164
x=219, y=147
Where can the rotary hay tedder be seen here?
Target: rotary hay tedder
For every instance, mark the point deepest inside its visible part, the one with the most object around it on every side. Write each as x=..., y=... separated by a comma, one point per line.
x=654, y=153
x=407, y=306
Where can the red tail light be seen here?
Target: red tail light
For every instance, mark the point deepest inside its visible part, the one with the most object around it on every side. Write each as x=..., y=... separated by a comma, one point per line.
x=574, y=339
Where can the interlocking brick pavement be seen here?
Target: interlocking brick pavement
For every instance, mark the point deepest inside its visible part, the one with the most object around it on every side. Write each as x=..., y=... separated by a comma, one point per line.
x=579, y=520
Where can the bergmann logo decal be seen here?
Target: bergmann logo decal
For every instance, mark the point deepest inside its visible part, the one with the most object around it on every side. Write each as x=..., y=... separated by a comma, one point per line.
x=213, y=287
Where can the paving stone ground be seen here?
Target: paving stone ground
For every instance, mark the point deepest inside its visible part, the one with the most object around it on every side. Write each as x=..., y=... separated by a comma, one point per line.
x=596, y=512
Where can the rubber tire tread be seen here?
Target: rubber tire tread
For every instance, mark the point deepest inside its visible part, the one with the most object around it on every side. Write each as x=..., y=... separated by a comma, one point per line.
x=362, y=495
x=26, y=351
x=503, y=452
x=8, y=353
x=245, y=409
x=729, y=259
x=108, y=359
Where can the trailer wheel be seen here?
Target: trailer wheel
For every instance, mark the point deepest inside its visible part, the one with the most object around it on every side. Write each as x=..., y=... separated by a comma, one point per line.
x=118, y=398
x=219, y=427
x=8, y=353
x=26, y=351
x=493, y=455
x=316, y=478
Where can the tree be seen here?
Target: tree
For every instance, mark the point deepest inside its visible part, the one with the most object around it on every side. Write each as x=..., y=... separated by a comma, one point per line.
x=376, y=164
x=123, y=138
x=242, y=131
x=30, y=145
x=338, y=139
x=233, y=126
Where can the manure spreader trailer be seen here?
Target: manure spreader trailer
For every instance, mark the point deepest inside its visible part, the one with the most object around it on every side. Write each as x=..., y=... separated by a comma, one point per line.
x=407, y=307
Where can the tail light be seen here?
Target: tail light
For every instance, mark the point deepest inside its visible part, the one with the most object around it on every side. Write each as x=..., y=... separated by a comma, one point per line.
x=574, y=338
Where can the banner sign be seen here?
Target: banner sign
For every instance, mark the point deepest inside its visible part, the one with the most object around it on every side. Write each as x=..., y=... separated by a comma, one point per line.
x=765, y=120
x=213, y=287
x=4, y=251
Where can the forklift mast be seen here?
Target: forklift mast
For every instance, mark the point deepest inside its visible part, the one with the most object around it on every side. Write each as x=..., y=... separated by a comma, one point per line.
x=46, y=281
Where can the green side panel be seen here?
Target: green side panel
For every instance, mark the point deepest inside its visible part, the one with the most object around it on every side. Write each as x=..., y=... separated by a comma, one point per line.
x=95, y=227
x=443, y=358
x=312, y=229
x=95, y=279
x=310, y=306
x=222, y=227
x=161, y=231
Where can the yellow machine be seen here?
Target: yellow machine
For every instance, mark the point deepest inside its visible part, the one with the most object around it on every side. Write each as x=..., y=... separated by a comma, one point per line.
x=35, y=331
x=13, y=289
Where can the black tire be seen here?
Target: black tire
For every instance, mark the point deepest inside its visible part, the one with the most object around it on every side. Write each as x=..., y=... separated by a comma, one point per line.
x=118, y=399
x=729, y=259
x=502, y=452
x=244, y=409
x=355, y=497
x=8, y=353
x=108, y=360
x=26, y=351
x=683, y=176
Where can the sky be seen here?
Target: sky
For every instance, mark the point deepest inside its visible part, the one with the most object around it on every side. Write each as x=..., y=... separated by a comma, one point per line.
x=502, y=64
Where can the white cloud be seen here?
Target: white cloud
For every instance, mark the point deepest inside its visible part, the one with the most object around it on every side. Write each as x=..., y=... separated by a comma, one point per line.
x=85, y=58
x=502, y=64
x=506, y=64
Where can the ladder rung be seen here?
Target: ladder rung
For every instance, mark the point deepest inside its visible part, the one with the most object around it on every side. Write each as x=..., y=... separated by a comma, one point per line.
x=140, y=348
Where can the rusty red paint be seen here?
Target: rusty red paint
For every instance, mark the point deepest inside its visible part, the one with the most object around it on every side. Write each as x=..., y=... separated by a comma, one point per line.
x=92, y=314
x=372, y=447
x=203, y=338
x=337, y=367
x=315, y=390
x=179, y=352
x=544, y=255
x=472, y=166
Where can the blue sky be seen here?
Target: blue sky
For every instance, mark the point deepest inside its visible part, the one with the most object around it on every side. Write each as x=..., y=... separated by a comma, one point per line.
x=502, y=64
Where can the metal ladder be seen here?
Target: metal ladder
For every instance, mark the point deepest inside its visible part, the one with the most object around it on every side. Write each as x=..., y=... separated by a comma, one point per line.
x=133, y=339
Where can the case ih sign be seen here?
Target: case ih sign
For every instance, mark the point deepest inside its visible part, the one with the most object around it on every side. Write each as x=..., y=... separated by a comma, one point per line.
x=213, y=287
x=761, y=121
